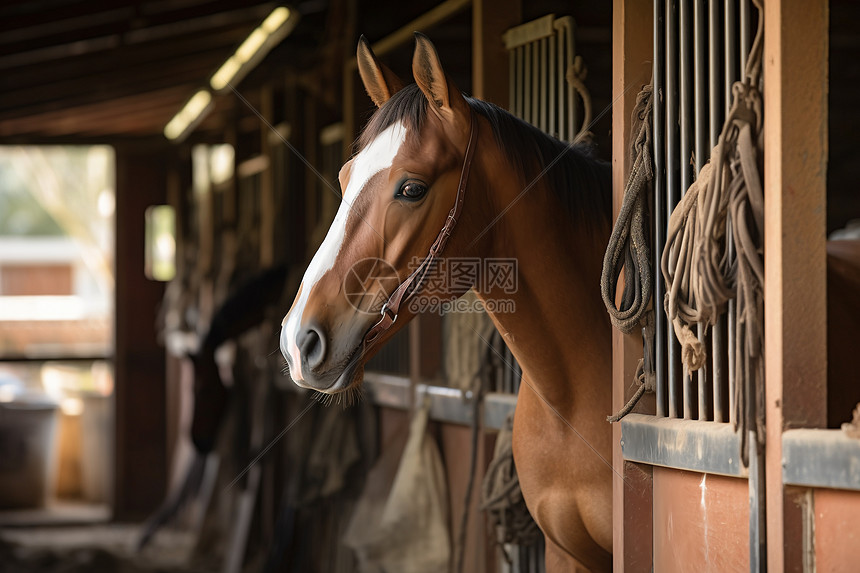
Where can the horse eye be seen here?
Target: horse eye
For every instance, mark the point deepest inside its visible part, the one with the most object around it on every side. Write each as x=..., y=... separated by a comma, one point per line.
x=412, y=190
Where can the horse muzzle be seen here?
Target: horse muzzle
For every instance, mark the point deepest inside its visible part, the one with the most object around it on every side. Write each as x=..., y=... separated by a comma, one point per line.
x=315, y=361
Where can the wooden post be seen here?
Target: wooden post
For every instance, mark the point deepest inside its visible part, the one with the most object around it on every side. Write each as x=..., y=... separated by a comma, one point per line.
x=795, y=169
x=489, y=57
x=631, y=500
x=139, y=364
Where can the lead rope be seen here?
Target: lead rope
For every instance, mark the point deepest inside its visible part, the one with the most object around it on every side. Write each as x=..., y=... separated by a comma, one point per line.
x=628, y=249
x=702, y=273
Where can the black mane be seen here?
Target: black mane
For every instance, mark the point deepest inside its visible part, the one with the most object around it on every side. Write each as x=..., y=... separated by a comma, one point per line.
x=578, y=179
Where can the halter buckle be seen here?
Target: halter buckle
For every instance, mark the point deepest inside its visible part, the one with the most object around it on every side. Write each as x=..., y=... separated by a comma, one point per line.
x=385, y=310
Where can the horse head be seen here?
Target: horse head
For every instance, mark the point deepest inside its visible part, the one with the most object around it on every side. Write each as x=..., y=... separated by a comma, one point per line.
x=398, y=191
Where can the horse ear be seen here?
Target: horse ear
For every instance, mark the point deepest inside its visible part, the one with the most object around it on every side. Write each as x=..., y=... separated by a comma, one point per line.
x=431, y=78
x=379, y=81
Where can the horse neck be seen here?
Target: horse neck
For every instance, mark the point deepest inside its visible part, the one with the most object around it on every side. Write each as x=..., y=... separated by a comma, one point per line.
x=559, y=332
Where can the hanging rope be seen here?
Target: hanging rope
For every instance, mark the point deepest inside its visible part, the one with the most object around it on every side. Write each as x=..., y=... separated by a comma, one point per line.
x=628, y=246
x=701, y=268
x=628, y=249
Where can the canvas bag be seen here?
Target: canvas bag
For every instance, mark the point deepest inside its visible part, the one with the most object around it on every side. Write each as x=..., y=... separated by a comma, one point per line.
x=404, y=529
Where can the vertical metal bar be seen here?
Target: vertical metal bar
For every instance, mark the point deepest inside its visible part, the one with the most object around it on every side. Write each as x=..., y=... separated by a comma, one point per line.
x=561, y=85
x=512, y=81
x=520, y=82
x=527, y=87
x=745, y=31
x=730, y=61
x=659, y=129
x=714, y=108
x=672, y=188
x=571, y=93
x=685, y=50
x=551, y=100
x=758, y=524
x=535, y=84
x=718, y=347
x=543, y=84
x=730, y=64
x=702, y=151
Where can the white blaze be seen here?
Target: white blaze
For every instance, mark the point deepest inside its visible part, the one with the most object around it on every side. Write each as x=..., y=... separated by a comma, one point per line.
x=374, y=158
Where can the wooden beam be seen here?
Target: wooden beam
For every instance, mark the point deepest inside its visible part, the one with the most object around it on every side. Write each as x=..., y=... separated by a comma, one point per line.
x=405, y=33
x=632, y=484
x=28, y=39
x=157, y=106
x=795, y=172
x=489, y=57
x=112, y=84
x=89, y=68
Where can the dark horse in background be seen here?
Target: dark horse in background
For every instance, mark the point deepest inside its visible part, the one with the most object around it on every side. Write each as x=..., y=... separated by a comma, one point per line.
x=244, y=309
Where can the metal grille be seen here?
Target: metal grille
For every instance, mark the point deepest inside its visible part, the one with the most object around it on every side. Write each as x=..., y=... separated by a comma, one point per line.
x=700, y=50
x=544, y=76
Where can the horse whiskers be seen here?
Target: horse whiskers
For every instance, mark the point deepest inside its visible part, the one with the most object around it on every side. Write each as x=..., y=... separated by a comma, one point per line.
x=352, y=396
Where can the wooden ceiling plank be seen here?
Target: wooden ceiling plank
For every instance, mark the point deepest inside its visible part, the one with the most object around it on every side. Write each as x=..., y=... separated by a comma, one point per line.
x=72, y=94
x=203, y=23
x=58, y=52
x=126, y=58
x=50, y=28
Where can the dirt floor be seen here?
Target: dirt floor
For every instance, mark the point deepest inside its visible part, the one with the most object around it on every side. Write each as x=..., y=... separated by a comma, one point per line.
x=94, y=549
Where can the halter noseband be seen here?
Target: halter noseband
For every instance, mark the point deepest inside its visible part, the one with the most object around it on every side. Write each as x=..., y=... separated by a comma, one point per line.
x=410, y=286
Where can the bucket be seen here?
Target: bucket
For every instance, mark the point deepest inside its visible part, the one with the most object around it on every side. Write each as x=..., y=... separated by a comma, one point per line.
x=28, y=423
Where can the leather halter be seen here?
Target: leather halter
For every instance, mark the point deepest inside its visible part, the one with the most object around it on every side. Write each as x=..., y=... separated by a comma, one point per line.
x=410, y=286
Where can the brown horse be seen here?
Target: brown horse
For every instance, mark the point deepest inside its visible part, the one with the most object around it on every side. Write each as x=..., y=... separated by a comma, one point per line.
x=431, y=159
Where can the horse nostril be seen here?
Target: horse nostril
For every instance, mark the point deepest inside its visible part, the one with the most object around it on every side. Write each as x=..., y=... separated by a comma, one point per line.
x=312, y=346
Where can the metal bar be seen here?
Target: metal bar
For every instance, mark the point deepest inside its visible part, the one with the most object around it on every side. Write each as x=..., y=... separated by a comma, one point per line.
x=718, y=346
x=512, y=81
x=758, y=526
x=700, y=76
x=745, y=31
x=660, y=219
x=561, y=85
x=718, y=349
x=672, y=189
x=730, y=67
x=571, y=93
x=682, y=444
x=551, y=100
x=821, y=458
x=685, y=83
x=715, y=119
x=516, y=83
x=446, y=404
x=702, y=152
x=730, y=61
x=527, y=83
x=543, y=84
x=535, y=84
